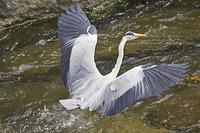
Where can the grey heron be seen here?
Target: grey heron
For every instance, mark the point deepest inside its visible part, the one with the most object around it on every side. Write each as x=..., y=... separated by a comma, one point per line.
x=110, y=93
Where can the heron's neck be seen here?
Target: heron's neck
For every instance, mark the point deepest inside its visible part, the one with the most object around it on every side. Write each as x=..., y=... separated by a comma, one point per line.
x=116, y=69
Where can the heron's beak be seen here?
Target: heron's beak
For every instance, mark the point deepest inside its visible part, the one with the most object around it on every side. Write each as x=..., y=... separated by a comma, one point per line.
x=139, y=35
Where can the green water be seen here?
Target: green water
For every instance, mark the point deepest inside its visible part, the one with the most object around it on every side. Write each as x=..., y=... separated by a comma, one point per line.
x=30, y=81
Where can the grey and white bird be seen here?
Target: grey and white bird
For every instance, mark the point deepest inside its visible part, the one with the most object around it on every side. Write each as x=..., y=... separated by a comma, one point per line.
x=110, y=93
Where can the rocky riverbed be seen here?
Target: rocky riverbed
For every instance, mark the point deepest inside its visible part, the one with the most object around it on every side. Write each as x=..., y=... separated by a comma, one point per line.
x=18, y=11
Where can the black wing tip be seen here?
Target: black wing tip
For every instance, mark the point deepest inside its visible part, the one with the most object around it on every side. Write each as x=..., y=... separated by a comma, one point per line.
x=109, y=113
x=77, y=5
x=112, y=111
x=73, y=7
x=187, y=63
x=184, y=66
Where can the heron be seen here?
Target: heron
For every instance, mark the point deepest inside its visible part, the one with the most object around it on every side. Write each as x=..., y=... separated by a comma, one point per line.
x=109, y=94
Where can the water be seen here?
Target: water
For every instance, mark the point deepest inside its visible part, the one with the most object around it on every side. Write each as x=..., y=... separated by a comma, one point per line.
x=30, y=81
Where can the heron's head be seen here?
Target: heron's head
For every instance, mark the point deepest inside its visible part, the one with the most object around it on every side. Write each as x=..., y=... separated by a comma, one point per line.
x=131, y=35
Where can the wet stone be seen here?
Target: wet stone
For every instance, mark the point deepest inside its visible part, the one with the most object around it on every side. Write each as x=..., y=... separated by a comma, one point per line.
x=41, y=42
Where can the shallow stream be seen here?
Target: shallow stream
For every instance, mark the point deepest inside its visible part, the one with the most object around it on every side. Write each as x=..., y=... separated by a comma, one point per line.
x=30, y=80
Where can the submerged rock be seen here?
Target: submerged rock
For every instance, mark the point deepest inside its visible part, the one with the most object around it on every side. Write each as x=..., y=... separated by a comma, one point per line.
x=41, y=42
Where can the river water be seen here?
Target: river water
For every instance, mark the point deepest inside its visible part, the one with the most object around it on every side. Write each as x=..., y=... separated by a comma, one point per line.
x=30, y=80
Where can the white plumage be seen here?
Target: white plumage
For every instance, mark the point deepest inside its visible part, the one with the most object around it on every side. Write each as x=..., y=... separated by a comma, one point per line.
x=88, y=88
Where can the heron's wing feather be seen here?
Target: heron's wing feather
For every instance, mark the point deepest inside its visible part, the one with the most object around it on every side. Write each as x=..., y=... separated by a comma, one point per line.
x=70, y=104
x=141, y=82
x=78, y=40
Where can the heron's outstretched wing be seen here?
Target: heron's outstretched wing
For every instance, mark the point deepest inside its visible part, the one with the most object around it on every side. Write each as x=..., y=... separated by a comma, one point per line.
x=78, y=39
x=141, y=82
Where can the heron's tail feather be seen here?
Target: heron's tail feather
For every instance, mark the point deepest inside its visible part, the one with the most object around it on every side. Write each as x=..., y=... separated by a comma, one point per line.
x=70, y=104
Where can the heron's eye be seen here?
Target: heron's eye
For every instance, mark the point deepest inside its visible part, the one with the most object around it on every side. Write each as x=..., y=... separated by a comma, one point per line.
x=129, y=34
